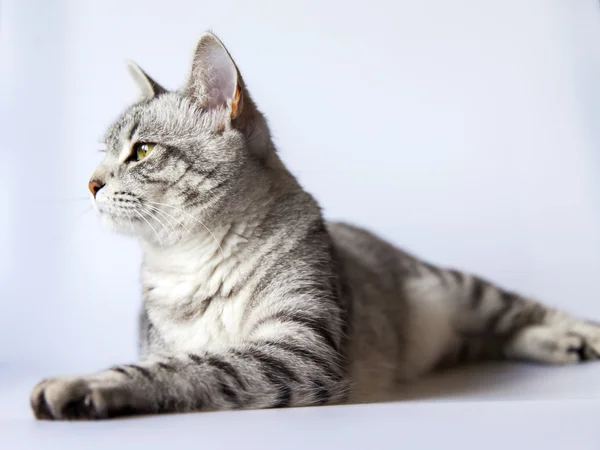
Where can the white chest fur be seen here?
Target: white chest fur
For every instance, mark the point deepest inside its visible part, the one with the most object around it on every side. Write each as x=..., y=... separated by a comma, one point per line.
x=193, y=296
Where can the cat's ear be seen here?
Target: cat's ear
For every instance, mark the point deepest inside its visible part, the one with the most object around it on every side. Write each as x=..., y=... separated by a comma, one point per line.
x=147, y=86
x=214, y=79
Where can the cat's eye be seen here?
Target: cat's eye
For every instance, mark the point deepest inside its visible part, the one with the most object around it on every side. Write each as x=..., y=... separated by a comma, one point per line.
x=141, y=150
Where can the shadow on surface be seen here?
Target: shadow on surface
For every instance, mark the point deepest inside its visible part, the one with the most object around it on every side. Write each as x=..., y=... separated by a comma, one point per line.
x=509, y=381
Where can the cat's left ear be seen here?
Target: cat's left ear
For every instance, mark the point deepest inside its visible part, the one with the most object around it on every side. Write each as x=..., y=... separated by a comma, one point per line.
x=214, y=79
x=147, y=86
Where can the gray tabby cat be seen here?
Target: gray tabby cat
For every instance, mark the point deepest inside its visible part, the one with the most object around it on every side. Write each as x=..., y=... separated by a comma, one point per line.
x=251, y=300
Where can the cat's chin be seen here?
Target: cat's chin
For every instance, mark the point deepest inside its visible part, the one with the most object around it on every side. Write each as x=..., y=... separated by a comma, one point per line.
x=119, y=225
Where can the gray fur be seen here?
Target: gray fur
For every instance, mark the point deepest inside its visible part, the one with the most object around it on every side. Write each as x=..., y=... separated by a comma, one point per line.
x=250, y=299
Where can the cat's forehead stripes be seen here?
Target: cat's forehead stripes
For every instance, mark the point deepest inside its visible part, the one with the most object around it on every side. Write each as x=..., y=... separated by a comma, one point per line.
x=126, y=144
x=122, y=132
x=133, y=130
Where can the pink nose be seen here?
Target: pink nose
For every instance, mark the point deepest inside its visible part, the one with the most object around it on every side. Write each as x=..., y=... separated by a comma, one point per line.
x=95, y=186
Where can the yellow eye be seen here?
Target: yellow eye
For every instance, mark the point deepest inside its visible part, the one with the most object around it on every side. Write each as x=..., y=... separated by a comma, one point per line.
x=141, y=150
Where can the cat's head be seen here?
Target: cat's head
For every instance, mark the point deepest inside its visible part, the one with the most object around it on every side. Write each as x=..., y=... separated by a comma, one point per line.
x=176, y=161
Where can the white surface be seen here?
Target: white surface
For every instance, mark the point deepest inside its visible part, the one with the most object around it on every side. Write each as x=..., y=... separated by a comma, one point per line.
x=466, y=131
x=496, y=407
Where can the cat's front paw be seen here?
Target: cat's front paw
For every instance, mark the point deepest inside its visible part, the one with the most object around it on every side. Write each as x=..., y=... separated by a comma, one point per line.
x=589, y=333
x=73, y=398
x=562, y=341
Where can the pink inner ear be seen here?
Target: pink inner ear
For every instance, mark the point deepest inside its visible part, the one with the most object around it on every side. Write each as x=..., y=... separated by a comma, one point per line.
x=218, y=75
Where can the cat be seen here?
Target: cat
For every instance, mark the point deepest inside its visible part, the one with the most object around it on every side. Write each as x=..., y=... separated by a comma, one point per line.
x=251, y=299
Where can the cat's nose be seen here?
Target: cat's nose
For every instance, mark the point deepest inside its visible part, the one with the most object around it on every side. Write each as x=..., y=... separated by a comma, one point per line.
x=95, y=186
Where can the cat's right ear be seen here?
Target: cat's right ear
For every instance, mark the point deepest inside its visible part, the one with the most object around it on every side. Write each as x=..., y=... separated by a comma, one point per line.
x=147, y=86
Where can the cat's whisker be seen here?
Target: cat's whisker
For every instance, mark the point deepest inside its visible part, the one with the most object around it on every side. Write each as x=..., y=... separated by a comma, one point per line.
x=153, y=216
x=170, y=232
x=131, y=223
x=83, y=213
x=180, y=223
x=153, y=229
x=197, y=220
x=162, y=213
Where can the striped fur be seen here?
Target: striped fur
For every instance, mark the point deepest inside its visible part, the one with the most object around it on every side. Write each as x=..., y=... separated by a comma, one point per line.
x=251, y=300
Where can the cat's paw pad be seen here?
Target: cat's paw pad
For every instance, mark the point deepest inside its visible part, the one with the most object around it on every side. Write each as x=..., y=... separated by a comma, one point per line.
x=75, y=398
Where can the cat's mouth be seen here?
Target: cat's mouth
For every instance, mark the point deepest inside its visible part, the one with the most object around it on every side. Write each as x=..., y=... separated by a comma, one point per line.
x=127, y=214
x=118, y=212
x=117, y=204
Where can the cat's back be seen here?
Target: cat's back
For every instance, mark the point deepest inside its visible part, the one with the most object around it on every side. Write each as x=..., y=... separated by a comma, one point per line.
x=371, y=257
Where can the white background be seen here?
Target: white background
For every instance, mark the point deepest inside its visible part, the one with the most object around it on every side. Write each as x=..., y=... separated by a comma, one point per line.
x=467, y=131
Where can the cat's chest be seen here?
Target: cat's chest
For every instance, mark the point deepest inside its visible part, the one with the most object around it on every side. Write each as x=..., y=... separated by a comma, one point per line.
x=216, y=326
x=194, y=309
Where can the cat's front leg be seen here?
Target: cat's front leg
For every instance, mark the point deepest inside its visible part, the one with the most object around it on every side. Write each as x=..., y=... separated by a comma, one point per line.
x=263, y=374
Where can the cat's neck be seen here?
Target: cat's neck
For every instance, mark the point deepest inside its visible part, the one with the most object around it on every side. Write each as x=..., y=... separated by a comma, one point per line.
x=210, y=265
x=239, y=228
x=216, y=259
x=210, y=246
